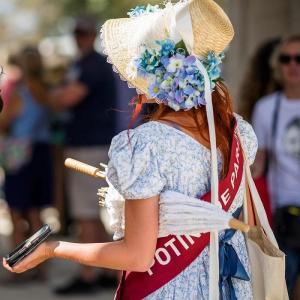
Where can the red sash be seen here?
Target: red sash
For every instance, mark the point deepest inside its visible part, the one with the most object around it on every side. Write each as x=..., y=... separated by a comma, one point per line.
x=175, y=253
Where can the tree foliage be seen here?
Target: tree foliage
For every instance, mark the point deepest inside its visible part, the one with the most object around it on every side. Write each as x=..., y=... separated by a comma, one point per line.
x=103, y=9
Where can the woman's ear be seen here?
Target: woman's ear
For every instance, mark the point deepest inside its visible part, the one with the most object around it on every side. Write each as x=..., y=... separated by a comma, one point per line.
x=143, y=98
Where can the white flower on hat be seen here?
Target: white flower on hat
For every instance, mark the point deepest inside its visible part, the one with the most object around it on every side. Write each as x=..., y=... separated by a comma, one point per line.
x=175, y=64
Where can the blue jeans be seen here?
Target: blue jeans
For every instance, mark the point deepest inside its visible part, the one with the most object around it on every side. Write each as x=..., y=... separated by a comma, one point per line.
x=292, y=267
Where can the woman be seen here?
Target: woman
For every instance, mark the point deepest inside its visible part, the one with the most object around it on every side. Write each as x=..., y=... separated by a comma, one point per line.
x=258, y=82
x=169, y=153
x=27, y=163
x=259, y=79
x=276, y=122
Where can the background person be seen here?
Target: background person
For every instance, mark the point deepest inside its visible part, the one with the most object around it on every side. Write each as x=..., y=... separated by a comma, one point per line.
x=282, y=148
x=26, y=153
x=89, y=97
x=259, y=79
x=10, y=78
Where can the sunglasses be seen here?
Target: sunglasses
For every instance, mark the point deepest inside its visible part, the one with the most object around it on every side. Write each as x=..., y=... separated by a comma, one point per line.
x=285, y=59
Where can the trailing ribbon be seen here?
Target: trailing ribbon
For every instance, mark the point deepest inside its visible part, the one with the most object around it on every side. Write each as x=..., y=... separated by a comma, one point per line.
x=230, y=264
x=183, y=26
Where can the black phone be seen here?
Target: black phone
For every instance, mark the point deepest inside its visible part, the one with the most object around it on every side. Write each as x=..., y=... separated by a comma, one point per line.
x=28, y=246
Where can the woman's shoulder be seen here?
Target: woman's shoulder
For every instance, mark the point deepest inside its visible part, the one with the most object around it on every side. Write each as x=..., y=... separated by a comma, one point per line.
x=248, y=138
x=147, y=133
x=133, y=168
x=245, y=128
x=242, y=123
x=133, y=140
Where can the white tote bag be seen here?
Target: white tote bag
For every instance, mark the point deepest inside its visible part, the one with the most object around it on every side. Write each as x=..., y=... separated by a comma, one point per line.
x=267, y=262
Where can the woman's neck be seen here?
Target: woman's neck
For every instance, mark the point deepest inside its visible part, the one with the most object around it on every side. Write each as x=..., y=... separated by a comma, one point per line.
x=182, y=118
x=292, y=91
x=186, y=122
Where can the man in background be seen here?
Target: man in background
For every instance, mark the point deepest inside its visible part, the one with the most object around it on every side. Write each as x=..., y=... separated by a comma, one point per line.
x=89, y=96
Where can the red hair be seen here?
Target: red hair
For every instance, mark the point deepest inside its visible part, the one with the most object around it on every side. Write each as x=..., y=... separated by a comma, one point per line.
x=223, y=115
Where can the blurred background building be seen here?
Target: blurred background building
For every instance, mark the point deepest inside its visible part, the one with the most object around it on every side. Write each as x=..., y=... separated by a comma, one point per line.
x=48, y=23
x=256, y=21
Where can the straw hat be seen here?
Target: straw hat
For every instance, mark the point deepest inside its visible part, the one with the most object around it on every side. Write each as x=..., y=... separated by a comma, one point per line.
x=123, y=38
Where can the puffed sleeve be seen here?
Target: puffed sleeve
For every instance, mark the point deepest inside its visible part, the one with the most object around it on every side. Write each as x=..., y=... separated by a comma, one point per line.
x=133, y=168
x=248, y=138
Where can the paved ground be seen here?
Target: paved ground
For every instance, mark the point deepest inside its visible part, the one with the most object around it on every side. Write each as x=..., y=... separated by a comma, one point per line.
x=59, y=272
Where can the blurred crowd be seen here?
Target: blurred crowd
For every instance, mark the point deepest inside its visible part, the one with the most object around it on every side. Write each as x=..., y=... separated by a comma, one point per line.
x=43, y=122
x=78, y=111
x=270, y=96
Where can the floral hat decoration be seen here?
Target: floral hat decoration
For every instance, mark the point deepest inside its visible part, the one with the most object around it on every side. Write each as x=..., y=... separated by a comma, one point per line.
x=171, y=53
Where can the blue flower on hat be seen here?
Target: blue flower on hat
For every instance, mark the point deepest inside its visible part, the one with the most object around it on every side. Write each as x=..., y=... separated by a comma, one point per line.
x=142, y=10
x=154, y=89
x=167, y=47
x=173, y=75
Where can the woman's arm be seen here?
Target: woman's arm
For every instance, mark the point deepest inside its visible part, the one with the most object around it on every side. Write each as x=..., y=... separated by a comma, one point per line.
x=60, y=98
x=259, y=166
x=10, y=111
x=68, y=96
x=135, y=252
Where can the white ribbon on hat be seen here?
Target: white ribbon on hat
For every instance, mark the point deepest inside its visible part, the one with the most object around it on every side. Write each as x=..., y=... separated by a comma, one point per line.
x=181, y=28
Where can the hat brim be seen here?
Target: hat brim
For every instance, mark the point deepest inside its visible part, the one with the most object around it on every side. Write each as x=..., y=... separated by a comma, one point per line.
x=122, y=38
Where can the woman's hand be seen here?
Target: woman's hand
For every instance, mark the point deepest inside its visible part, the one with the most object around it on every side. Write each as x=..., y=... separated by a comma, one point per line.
x=41, y=254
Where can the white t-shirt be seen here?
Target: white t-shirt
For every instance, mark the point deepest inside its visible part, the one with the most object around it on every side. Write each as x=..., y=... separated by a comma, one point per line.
x=284, y=167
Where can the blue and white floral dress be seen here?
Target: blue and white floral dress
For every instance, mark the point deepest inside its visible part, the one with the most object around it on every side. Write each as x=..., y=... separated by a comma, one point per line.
x=160, y=158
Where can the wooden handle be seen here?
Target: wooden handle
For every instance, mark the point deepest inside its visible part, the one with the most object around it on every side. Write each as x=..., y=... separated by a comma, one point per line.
x=238, y=225
x=84, y=168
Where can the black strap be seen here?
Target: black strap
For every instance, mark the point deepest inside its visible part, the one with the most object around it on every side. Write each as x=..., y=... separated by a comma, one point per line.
x=274, y=126
x=275, y=118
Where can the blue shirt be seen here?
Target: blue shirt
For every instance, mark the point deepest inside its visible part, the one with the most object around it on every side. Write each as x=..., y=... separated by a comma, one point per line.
x=33, y=121
x=92, y=121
